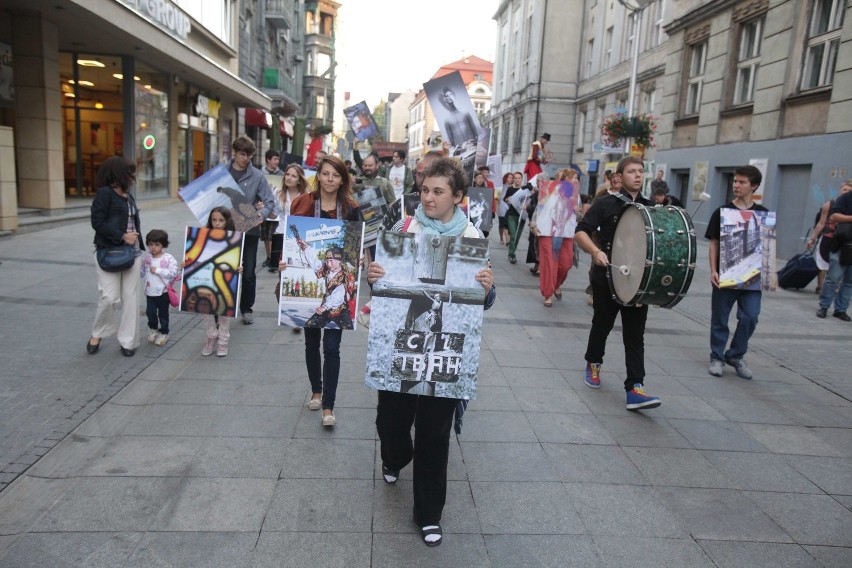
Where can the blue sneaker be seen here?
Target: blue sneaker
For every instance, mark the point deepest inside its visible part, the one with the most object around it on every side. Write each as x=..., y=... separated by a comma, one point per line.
x=638, y=400
x=593, y=375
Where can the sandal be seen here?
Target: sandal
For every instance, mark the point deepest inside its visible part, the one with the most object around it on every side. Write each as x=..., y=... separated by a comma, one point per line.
x=548, y=302
x=558, y=295
x=432, y=535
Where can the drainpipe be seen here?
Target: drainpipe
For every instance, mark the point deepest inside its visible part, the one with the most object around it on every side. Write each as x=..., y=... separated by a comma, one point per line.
x=540, y=68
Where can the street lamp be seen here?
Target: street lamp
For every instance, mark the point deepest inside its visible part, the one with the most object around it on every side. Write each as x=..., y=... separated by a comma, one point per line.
x=636, y=7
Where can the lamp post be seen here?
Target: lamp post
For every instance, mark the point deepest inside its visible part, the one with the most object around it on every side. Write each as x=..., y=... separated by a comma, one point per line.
x=636, y=7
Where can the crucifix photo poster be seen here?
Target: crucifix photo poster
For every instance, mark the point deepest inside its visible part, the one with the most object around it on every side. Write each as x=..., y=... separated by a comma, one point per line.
x=426, y=318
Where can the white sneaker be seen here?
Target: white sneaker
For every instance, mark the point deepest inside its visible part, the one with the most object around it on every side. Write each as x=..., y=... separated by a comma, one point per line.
x=222, y=350
x=717, y=368
x=161, y=339
x=152, y=335
x=209, y=346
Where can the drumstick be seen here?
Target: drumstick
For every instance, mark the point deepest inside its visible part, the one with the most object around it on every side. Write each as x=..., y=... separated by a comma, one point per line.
x=624, y=268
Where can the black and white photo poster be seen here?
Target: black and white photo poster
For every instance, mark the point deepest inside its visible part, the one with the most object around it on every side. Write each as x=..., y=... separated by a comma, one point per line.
x=426, y=319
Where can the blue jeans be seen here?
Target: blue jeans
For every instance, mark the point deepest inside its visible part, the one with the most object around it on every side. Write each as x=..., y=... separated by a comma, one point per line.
x=837, y=276
x=323, y=374
x=748, y=308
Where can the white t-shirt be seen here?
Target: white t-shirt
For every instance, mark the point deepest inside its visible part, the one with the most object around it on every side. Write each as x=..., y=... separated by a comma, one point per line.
x=396, y=175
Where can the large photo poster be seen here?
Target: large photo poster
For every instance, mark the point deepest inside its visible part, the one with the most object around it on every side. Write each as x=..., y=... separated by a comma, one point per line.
x=216, y=188
x=361, y=121
x=211, y=280
x=747, y=250
x=426, y=315
x=372, y=207
x=555, y=215
x=479, y=207
x=319, y=287
x=456, y=118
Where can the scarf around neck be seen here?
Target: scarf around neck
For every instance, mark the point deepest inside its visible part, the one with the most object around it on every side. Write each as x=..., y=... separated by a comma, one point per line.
x=430, y=226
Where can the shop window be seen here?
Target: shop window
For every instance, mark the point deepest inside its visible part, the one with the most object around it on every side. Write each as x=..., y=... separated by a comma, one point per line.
x=823, y=43
x=152, y=130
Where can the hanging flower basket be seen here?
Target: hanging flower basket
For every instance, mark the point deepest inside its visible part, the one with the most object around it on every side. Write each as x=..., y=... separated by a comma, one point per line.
x=618, y=127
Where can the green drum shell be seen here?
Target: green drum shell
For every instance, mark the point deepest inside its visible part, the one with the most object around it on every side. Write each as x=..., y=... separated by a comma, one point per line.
x=670, y=254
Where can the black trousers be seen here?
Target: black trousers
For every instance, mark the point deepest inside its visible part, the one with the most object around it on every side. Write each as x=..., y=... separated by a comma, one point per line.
x=432, y=418
x=277, y=248
x=157, y=310
x=249, y=273
x=633, y=332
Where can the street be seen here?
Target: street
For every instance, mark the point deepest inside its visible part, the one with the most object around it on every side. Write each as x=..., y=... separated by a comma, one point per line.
x=169, y=458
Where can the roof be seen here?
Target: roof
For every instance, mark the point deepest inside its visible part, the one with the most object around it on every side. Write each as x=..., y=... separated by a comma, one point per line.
x=468, y=67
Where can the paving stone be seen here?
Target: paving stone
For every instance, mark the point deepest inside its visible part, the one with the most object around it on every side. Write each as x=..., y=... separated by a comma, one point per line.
x=490, y=426
x=542, y=551
x=321, y=505
x=560, y=400
x=650, y=552
x=831, y=556
x=299, y=549
x=239, y=457
x=525, y=508
x=174, y=420
x=760, y=472
x=496, y=398
x=721, y=514
x=832, y=475
x=594, y=464
x=728, y=554
x=785, y=439
x=674, y=467
x=75, y=549
x=501, y=461
x=642, y=430
x=409, y=550
x=810, y=519
x=335, y=458
x=623, y=509
x=716, y=435
x=569, y=428
x=208, y=549
x=354, y=423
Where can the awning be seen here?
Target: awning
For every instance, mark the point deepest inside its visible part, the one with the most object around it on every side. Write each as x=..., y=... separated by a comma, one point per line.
x=258, y=117
x=285, y=127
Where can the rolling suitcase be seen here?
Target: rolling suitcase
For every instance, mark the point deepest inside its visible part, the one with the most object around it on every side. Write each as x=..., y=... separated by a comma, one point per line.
x=798, y=272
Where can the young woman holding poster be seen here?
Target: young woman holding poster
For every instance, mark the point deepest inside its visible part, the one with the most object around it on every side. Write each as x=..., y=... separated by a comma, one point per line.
x=443, y=188
x=329, y=198
x=556, y=239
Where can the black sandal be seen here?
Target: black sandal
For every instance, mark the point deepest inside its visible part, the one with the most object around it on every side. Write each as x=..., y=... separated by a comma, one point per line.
x=431, y=531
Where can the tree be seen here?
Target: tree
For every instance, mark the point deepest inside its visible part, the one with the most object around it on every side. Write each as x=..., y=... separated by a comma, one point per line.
x=381, y=122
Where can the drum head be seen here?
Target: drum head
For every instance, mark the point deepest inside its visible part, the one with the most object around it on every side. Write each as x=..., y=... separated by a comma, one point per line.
x=629, y=247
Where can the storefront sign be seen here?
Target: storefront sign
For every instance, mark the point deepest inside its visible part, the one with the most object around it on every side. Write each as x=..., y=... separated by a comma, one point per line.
x=165, y=14
x=207, y=107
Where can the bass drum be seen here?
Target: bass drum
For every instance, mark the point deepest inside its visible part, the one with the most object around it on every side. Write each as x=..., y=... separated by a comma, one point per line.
x=653, y=256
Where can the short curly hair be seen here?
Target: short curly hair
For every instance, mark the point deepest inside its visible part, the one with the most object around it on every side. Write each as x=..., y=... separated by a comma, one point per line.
x=450, y=170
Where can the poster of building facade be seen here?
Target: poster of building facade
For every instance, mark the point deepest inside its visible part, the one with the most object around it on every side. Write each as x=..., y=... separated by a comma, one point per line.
x=217, y=188
x=361, y=121
x=555, y=213
x=479, y=207
x=426, y=318
x=211, y=280
x=747, y=250
x=372, y=207
x=319, y=288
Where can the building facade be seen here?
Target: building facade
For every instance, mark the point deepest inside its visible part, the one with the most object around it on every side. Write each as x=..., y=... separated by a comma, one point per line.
x=397, y=116
x=536, y=78
x=156, y=82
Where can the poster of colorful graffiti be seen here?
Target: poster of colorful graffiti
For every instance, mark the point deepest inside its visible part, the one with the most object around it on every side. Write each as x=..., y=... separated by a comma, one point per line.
x=211, y=279
x=747, y=250
x=361, y=121
x=426, y=315
x=555, y=215
x=319, y=287
x=215, y=188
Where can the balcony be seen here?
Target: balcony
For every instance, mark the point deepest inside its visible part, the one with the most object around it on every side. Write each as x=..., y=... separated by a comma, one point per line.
x=323, y=42
x=280, y=13
x=280, y=88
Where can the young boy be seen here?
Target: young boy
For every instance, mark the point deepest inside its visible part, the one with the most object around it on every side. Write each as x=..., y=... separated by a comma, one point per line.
x=160, y=270
x=746, y=181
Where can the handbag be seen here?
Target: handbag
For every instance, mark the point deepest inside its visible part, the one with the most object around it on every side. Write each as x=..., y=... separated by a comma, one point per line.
x=116, y=258
x=842, y=236
x=174, y=300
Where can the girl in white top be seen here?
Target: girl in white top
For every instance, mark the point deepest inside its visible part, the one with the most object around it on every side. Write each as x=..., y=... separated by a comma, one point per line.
x=295, y=184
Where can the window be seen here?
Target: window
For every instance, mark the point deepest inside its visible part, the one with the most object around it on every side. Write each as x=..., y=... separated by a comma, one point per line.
x=655, y=24
x=590, y=49
x=321, y=107
x=630, y=36
x=581, y=131
x=650, y=101
x=823, y=43
x=748, y=60
x=697, y=62
x=519, y=133
x=607, y=48
x=504, y=140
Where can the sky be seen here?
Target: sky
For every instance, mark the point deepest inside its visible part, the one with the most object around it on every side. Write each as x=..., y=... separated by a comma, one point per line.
x=385, y=46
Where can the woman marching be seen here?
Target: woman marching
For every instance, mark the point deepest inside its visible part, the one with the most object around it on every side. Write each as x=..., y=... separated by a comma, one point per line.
x=556, y=241
x=115, y=219
x=330, y=198
x=443, y=188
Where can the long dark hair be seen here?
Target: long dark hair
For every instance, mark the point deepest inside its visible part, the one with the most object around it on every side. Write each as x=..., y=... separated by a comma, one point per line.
x=224, y=212
x=344, y=192
x=116, y=171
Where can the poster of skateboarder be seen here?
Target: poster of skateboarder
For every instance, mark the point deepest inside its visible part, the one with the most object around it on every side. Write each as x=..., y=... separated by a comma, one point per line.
x=426, y=317
x=211, y=279
x=555, y=215
x=372, y=207
x=361, y=121
x=479, y=200
x=319, y=287
x=747, y=250
x=215, y=188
